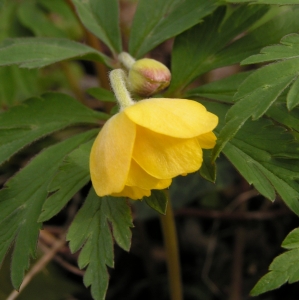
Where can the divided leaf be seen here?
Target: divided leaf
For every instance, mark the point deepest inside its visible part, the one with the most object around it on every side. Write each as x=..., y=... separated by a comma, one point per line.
x=270, y=169
x=101, y=18
x=284, y=267
x=279, y=112
x=91, y=231
x=73, y=174
x=38, y=117
x=156, y=22
x=216, y=43
x=196, y=50
x=21, y=202
x=263, y=87
x=41, y=52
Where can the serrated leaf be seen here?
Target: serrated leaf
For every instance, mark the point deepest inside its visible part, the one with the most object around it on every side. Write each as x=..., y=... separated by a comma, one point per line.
x=268, y=168
x=40, y=52
x=263, y=87
x=38, y=117
x=280, y=114
x=156, y=22
x=255, y=96
x=195, y=50
x=287, y=49
x=208, y=168
x=270, y=281
x=101, y=94
x=72, y=176
x=101, y=18
x=292, y=240
x=157, y=201
x=222, y=90
x=91, y=231
x=21, y=201
x=283, y=268
x=282, y=24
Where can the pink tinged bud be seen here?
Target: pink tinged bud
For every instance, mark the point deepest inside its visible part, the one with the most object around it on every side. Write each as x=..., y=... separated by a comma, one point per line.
x=148, y=76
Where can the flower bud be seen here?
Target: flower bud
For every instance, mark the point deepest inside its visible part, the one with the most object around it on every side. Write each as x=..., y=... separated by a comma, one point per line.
x=148, y=76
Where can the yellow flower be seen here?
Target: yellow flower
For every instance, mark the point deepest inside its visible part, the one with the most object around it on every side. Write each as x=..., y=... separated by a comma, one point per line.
x=147, y=144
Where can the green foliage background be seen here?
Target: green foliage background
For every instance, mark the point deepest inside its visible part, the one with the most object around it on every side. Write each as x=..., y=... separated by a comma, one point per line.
x=257, y=107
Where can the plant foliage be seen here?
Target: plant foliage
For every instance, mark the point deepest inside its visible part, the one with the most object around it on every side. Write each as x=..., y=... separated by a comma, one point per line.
x=258, y=109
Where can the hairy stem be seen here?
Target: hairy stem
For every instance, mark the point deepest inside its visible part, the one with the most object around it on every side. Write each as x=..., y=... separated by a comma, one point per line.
x=118, y=82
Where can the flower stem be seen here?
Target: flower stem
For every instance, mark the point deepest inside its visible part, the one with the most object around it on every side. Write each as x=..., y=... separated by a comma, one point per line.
x=172, y=253
x=118, y=82
x=127, y=60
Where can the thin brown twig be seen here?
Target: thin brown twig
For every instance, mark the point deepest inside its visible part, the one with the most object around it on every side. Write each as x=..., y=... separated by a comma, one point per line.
x=61, y=261
x=39, y=265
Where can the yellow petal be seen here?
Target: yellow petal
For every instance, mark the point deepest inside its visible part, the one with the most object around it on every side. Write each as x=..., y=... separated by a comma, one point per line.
x=166, y=157
x=162, y=184
x=138, y=177
x=132, y=192
x=207, y=140
x=111, y=153
x=174, y=117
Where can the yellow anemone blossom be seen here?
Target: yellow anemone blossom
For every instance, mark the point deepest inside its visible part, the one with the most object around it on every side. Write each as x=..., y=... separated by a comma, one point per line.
x=147, y=144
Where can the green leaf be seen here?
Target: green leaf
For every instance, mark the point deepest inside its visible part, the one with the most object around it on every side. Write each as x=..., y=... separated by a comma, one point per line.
x=35, y=19
x=263, y=87
x=17, y=85
x=277, y=2
x=38, y=117
x=293, y=95
x=208, y=168
x=9, y=24
x=101, y=94
x=155, y=22
x=287, y=49
x=21, y=201
x=196, y=50
x=40, y=52
x=284, y=23
x=72, y=176
x=257, y=94
x=268, y=168
x=201, y=52
x=157, y=201
x=280, y=114
x=292, y=240
x=65, y=19
x=270, y=281
x=101, y=18
x=283, y=268
x=222, y=90
x=91, y=231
